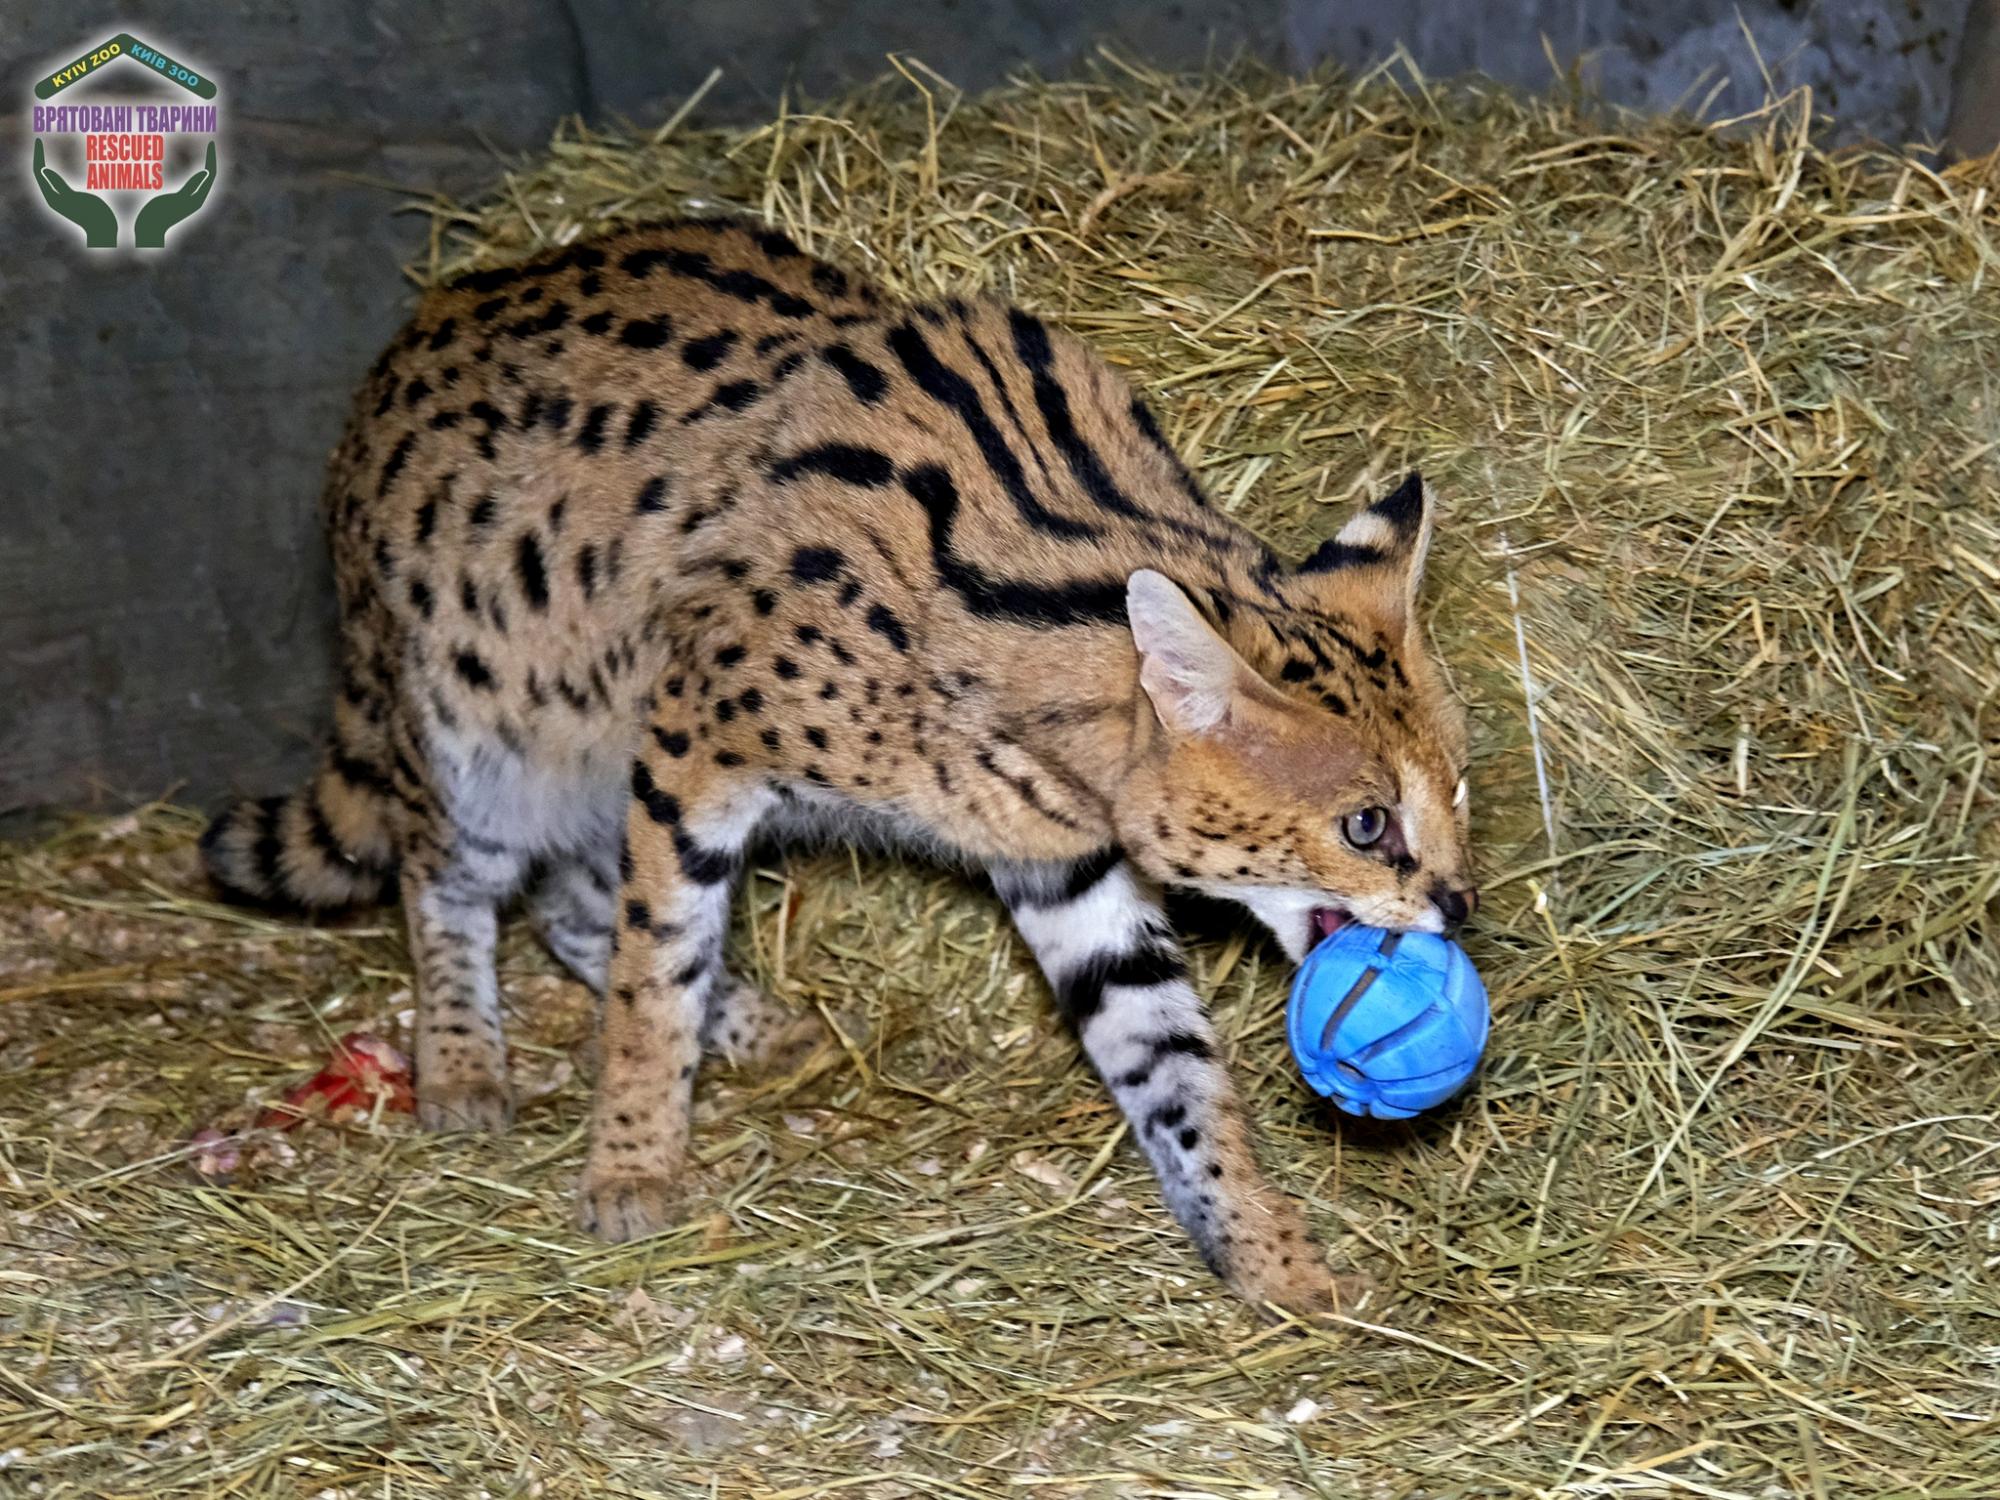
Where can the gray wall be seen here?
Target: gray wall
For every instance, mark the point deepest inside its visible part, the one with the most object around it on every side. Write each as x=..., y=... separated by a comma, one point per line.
x=1881, y=68
x=164, y=609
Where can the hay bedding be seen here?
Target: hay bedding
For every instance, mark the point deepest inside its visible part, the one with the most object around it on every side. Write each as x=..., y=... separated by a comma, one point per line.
x=1715, y=421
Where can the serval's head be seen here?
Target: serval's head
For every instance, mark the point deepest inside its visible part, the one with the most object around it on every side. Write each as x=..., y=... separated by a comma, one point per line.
x=1302, y=755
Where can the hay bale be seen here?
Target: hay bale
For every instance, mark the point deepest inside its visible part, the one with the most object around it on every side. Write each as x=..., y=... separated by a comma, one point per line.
x=1715, y=420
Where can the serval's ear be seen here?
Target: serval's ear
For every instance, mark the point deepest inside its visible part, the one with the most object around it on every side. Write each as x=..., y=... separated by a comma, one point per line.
x=1377, y=558
x=1191, y=673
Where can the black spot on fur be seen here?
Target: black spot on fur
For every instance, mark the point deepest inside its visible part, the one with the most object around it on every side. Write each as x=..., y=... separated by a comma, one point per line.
x=704, y=866
x=646, y=333
x=1166, y=1117
x=590, y=436
x=639, y=264
x=527, y=328
x=817, y=565
x=882, y=620
x=661, y=805
x=472, y=671
x=393, y=465
x=644, y=416
x=735, y=395
x=707, y=353
x=864, y=380
x=532, y=571
x=776, y=244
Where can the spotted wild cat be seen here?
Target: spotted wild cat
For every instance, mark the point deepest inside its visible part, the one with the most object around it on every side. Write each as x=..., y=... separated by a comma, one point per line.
x=657, y=545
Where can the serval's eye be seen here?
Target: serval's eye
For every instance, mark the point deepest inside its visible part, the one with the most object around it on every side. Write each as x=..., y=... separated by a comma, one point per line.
x=1458, y=793
x=1364, y=829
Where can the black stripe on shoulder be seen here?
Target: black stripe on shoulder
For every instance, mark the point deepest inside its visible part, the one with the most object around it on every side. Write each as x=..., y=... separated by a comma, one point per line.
x=1031, y=343
x=1148, y=425
x=1085, y=602
x=867, y=383
x=869, y=468
x=947, y=387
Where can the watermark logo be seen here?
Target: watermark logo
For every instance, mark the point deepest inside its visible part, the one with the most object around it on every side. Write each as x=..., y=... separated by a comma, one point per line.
x=111, y=128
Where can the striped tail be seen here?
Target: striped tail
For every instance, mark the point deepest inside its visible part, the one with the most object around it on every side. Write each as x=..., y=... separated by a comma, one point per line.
x=326, y=845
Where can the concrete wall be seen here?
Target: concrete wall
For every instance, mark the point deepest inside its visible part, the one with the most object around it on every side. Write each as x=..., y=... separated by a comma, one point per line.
x=164, y=604
x=1881, y=68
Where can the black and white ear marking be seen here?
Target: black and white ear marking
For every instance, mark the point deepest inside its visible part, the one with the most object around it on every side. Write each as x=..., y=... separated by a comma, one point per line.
x=1405, y=512
x=1393, y=533
x=1188, y=670
x=1393, y=529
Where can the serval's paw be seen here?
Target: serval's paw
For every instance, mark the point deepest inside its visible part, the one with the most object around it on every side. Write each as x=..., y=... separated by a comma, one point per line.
x=623, y=1206
x=464, y=1103
x=750, y=1031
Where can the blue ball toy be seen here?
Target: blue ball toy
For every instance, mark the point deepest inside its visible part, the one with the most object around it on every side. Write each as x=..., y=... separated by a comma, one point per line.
x=1387, y=1023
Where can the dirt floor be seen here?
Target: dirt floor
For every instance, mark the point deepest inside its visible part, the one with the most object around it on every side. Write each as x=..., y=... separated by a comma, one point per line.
x=1715, y=422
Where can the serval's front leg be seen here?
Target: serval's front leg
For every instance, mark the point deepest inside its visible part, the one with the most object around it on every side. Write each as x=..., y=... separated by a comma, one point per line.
x=1097, y=929
x=685, y=834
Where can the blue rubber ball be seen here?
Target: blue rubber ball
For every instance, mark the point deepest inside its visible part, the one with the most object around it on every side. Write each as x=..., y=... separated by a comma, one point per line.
x=1387, y=1023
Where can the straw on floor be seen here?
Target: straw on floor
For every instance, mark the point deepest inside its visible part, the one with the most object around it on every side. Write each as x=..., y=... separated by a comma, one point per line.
x=1715, y=421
